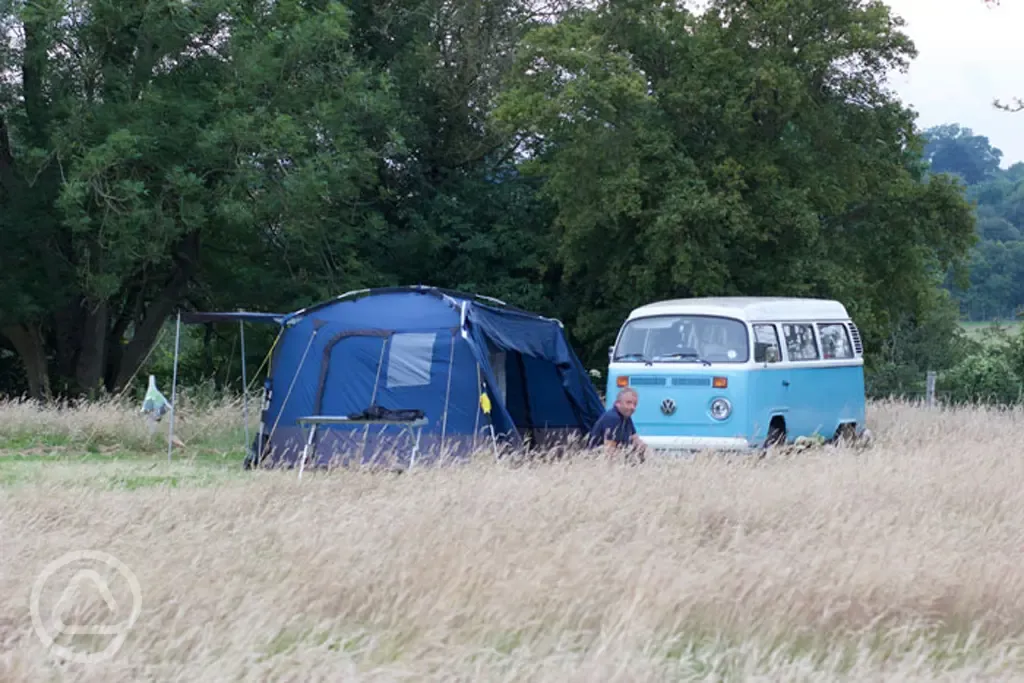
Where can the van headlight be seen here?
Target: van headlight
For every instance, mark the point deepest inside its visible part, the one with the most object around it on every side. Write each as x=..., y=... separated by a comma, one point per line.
x=721, y=408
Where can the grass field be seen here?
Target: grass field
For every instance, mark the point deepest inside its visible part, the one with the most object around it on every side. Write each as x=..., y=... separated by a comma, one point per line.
x=900, y=562
x=978, y=329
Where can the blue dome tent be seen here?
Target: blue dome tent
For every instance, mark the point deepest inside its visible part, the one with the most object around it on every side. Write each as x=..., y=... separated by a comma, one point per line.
x=363, y=365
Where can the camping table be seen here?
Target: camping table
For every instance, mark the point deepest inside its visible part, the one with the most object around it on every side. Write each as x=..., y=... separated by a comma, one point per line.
x=313, y=422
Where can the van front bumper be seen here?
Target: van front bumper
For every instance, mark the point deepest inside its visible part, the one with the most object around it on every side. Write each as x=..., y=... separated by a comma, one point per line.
x=696, y=443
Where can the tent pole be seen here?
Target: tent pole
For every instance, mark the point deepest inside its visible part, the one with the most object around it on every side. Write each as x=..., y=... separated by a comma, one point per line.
x=490, y=424
x=476, y=417
x=245, y=386
x=264, y=407
x=373, y=398
x=448, y=392
x=266, y=396
x=291, y=386
x=174, y=387
x=380, y=364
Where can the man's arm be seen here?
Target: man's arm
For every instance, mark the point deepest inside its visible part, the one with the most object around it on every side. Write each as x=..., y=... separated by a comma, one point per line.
x=638, y=445
x=599, y=432
x=634, y=438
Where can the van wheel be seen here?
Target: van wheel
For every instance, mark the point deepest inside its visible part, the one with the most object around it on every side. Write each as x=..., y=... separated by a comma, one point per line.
x=776, y=434
x=846, y=435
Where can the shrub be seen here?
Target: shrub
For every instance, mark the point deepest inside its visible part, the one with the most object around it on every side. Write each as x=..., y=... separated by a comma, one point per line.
x=986, y=377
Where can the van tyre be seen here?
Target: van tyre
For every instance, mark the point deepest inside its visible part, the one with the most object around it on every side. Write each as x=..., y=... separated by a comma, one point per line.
x=846, y=436
x=776, y=435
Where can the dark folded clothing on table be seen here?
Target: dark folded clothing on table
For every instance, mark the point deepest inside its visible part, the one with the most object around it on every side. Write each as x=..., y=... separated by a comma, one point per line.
x=380, y=413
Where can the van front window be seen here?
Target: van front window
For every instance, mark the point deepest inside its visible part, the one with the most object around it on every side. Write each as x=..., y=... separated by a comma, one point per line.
x=683, y=338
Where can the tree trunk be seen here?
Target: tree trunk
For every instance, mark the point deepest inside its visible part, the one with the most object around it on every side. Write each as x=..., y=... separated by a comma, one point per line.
x=67, y=335
x=92, y=360
x=28, y=342
x=159, y=311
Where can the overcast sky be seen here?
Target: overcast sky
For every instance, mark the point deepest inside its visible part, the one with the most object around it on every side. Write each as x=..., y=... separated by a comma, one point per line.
x=968, y=55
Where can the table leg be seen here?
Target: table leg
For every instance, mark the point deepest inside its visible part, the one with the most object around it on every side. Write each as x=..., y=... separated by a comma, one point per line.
x=306, y=449
x=416, y=446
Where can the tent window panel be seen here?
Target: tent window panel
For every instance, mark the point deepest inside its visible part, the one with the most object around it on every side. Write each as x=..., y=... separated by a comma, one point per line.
x=409, y=359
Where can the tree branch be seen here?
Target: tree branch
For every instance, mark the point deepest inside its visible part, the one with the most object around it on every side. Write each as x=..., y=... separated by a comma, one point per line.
x=1016, y=106
x=159, y=310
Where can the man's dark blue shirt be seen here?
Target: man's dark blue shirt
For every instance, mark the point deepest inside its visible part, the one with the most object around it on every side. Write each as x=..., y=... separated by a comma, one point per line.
x=611, y=426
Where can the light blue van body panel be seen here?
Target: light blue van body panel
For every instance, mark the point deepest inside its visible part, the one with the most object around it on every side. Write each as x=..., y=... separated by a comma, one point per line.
x=817, y=401
x=689, y=386
x=811, y=397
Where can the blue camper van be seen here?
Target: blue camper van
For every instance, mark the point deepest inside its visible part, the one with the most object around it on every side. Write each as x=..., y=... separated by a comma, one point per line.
x=740, y=372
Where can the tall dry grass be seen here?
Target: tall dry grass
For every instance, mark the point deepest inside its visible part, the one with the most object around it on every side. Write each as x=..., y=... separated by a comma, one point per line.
x=901, y=562
x=118, y=422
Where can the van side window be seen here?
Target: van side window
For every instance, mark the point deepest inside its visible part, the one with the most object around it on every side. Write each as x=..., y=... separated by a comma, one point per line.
x=835, y=341
x=766, y=344
x=800, y=344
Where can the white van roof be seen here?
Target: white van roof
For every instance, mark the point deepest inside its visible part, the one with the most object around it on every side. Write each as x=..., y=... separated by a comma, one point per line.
x=752, y=309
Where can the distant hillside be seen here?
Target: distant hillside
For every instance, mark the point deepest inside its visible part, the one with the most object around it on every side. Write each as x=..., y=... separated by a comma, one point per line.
x=996, y=289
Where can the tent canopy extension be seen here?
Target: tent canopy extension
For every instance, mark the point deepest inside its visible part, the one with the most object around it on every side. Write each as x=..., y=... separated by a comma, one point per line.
x=423, y=349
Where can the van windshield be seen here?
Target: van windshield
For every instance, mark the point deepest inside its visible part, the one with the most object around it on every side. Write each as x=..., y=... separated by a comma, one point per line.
x=684, y=339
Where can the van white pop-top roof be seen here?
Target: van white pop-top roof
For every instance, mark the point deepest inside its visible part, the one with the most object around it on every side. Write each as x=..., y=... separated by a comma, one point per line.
x=752, y=309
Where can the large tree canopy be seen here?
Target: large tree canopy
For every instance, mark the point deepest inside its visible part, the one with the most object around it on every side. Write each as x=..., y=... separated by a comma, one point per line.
x=576, y=158
x=751, y=149
x=957, y=150
x=150, y=143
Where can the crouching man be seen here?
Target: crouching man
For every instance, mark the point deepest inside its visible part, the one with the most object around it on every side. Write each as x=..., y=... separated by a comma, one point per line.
x=614, y=430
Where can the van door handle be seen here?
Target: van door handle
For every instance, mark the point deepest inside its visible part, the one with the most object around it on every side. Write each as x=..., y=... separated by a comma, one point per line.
x=785, y=382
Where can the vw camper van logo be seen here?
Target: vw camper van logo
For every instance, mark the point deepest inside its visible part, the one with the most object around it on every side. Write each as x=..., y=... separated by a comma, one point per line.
x=668, y=406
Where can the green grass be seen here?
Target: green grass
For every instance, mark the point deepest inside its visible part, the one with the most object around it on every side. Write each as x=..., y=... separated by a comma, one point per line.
x=29, y=458
x=124, y=470
x=978, y=329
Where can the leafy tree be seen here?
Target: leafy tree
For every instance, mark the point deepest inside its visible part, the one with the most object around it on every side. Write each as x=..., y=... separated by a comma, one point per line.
x=154, y=145
x=459, y=214
x=753, y=149
x=954, y=149
x=574, y=158
x=913, y=347
x=980, y=378
x=990, y=372
x=995, y=288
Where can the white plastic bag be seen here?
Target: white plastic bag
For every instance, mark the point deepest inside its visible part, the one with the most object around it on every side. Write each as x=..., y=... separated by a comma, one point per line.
x=154, y=404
